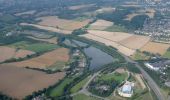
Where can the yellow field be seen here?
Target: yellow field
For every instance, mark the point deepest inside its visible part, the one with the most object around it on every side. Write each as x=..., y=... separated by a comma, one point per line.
x=100, y=25
x=64, y=24
x=126, y=43
x=45, y=60
x=155, y=47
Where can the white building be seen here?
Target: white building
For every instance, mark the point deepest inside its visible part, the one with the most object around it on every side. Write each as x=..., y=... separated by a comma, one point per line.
x=150, y=66
x=126, y=90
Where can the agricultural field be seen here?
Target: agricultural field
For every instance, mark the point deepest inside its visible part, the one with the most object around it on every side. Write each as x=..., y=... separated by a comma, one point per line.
x=135, y=41
x=25, y=81
x=78, y=7
x=149, y=12
x=84, y=97
x=100, y=25
x=38, y=34
x=155, y=48
x=139, y=56
x=79, y=85
x=64, y=24
x=46, y=60
x=48, y=28
x=35, y=47
x=116, y=28
x=51, y=40
x=25, y=13
x=124, y=42
x=8, y=53
x=57, y=91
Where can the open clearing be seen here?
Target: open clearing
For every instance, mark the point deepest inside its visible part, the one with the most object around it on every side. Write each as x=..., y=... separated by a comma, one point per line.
x=149, y=12
x=45, y=60
x=100, y=25
x=125, y=43
x=154, y=47
x=8, y=53
x=20, y=82
x=64, y=24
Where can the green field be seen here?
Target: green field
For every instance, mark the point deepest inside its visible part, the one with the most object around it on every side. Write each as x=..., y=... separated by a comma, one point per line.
x=116, y=28
x=114, y=76
x=57, y=66
x=36, y=47
x=78, y=86
x=139, y=56
x=83, y=97
x=58, y=91
x=167, y=54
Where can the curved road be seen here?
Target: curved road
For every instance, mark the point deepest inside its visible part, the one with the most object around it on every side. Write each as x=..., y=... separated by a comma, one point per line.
x=149, y=80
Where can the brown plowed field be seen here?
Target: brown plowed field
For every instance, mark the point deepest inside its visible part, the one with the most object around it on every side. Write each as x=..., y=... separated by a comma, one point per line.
x=8, y=53
x=45, y=60
x=20, y=82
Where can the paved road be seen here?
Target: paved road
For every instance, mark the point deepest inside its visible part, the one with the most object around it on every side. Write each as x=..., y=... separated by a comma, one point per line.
x=149, y=80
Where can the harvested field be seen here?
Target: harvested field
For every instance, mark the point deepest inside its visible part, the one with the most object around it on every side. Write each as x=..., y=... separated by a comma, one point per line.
x=22, y=53
x=77, y=7
x=135, y=41
x=105, y=9
x=52, y=40
x=52, y=29
x=154, y=47
x=45, y=60
x=20, y=82
x=122, y=49
x=125, y=43
x=25, y=13
x=130, y=16
x=112, y=36
x=8, y=53
x=63, y=24
x=100, y=25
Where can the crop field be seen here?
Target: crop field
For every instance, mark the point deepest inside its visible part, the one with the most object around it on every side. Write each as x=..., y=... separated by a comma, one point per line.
x=35, y=47
x=37, y=34
x=51, y=40
x=45, y=60
x=20, y=82
x=135, y=41
x=100, y=25
x=125, y=43
x=8, y=53
x=149, y=12
x=31, y=12
x=154, y=47
x=64, y=24
x=48, y=28
x=80, y=85
x=84, y=97
x=78, y=7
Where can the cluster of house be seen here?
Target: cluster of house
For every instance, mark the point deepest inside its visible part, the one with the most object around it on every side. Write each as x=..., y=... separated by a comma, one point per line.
x=157, y=29
x=158, y=64
x=126, y=90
